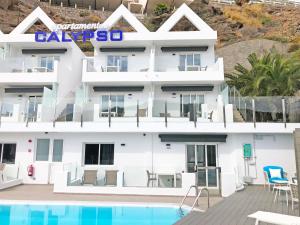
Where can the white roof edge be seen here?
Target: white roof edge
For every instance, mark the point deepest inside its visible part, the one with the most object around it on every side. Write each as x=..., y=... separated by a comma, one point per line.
x=185, y=11
x=120, y=12
x=35, y=15
x=1, y=33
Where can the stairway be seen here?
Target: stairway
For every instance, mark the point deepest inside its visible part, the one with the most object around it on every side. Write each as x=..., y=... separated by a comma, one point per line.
x=237, y=116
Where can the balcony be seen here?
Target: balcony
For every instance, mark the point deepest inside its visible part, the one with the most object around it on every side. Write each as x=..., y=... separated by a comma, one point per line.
x=97, y=72
x=190, y=73
x=20, y=70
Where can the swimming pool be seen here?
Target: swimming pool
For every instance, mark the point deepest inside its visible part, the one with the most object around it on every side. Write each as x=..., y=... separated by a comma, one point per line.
x=76, y=214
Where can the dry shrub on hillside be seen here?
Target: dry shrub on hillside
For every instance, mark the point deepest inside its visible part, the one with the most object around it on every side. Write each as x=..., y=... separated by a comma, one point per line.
x=251, y=15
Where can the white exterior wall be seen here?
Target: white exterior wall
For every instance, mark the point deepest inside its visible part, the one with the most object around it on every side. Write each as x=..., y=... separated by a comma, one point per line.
x=146, y=152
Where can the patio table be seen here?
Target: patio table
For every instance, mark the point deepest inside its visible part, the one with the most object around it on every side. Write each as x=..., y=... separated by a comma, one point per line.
x=285, y=189
x=171, y=175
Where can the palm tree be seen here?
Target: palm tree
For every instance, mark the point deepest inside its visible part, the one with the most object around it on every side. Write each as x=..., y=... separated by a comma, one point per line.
x=272, y=74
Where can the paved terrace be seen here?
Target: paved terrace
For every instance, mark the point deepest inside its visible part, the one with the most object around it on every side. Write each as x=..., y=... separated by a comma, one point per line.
x=235, y=209
x=45, y=193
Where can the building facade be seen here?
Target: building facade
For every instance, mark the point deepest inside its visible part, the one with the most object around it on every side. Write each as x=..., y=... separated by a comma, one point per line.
x=148, y=115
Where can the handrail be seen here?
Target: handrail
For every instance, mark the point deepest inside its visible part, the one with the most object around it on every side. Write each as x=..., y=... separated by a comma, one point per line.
x=183, y=200
x=198, y=196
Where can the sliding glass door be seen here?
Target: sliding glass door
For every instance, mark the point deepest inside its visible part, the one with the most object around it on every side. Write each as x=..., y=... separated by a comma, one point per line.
x=202, y=159
x=188, y=102
x=117, y=105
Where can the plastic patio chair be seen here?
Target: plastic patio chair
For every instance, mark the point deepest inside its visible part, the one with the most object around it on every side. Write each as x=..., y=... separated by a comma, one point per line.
x=274, y=180
x=150, y=177
x=2, y=167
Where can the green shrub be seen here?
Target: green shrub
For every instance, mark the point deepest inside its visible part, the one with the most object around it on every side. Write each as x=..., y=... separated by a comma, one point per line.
x=160, y=9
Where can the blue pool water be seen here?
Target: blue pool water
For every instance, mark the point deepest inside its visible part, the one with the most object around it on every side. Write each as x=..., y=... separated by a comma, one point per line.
x=88, y=215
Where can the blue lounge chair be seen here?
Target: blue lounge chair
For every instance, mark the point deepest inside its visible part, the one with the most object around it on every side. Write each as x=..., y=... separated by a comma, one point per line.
x=274, y=180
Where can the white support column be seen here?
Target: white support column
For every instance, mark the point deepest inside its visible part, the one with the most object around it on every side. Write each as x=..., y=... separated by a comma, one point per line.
x=152, y=59
x=151, y=74
x=150, y=101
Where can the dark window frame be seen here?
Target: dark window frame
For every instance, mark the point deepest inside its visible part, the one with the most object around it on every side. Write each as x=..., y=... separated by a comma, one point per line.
x=2, y=152
x=100, y=154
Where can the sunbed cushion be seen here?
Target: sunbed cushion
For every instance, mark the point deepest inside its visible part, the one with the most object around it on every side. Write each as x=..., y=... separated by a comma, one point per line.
x=275, y=173
x=273, y=180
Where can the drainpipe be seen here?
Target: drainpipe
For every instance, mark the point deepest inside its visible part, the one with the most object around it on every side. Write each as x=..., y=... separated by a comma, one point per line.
x=195, y=114
x=297, y=157
x=109, y=113
x=253, y=114
x=0, y=112
x=283, y=112
x=166, y=114
x=137, y=114
x=224, y=116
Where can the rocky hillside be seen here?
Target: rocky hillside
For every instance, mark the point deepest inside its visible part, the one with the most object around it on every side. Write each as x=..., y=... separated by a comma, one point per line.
x=233, y=23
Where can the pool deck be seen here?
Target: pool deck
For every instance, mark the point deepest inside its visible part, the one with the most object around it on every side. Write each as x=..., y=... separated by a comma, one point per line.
x=45, y=193
x=235, y=209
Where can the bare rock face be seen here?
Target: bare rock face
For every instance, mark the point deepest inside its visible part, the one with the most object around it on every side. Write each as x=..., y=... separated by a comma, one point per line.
x=6, y=4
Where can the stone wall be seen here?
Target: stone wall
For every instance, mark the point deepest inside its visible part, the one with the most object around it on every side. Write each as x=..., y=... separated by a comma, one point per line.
x=5, y=4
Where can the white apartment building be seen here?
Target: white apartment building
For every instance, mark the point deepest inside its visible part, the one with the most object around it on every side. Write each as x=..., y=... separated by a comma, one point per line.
x=148, y=115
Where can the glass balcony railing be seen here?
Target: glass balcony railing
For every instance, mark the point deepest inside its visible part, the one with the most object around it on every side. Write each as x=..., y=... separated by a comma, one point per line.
x=26, y=112
x=98, y=109
x=27, y=65
x=91, y=65
x=190, y=67
x=266, y=109
x=192, y=111
x=121, y=108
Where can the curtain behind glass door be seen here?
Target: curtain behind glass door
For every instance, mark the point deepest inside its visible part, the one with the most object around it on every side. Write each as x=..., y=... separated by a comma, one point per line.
x=201, y=162
x=211, y=161
x=190, y=158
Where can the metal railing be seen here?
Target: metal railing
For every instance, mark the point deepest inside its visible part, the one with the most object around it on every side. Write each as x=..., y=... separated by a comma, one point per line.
x=269, y=2
x=198, y=194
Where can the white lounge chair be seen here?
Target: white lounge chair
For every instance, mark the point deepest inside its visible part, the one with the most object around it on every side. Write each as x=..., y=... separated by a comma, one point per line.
x=6, y=181
x=274, y=218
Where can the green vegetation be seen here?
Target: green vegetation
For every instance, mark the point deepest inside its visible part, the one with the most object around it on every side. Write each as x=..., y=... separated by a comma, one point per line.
x=160, y=9
x=251, y=15
x=84, y=14
x=272, y=74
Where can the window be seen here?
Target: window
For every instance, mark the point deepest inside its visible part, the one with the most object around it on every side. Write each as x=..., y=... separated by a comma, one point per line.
x=99, y=154
x=42, y=149
x=8, y=153
x=43, y=152
x=2, y=54
x=7, y=110
x=189, y=62
x=117, y=63
x=47, y=62
x=117, y=105
x=57, y=150
x=107, y=154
